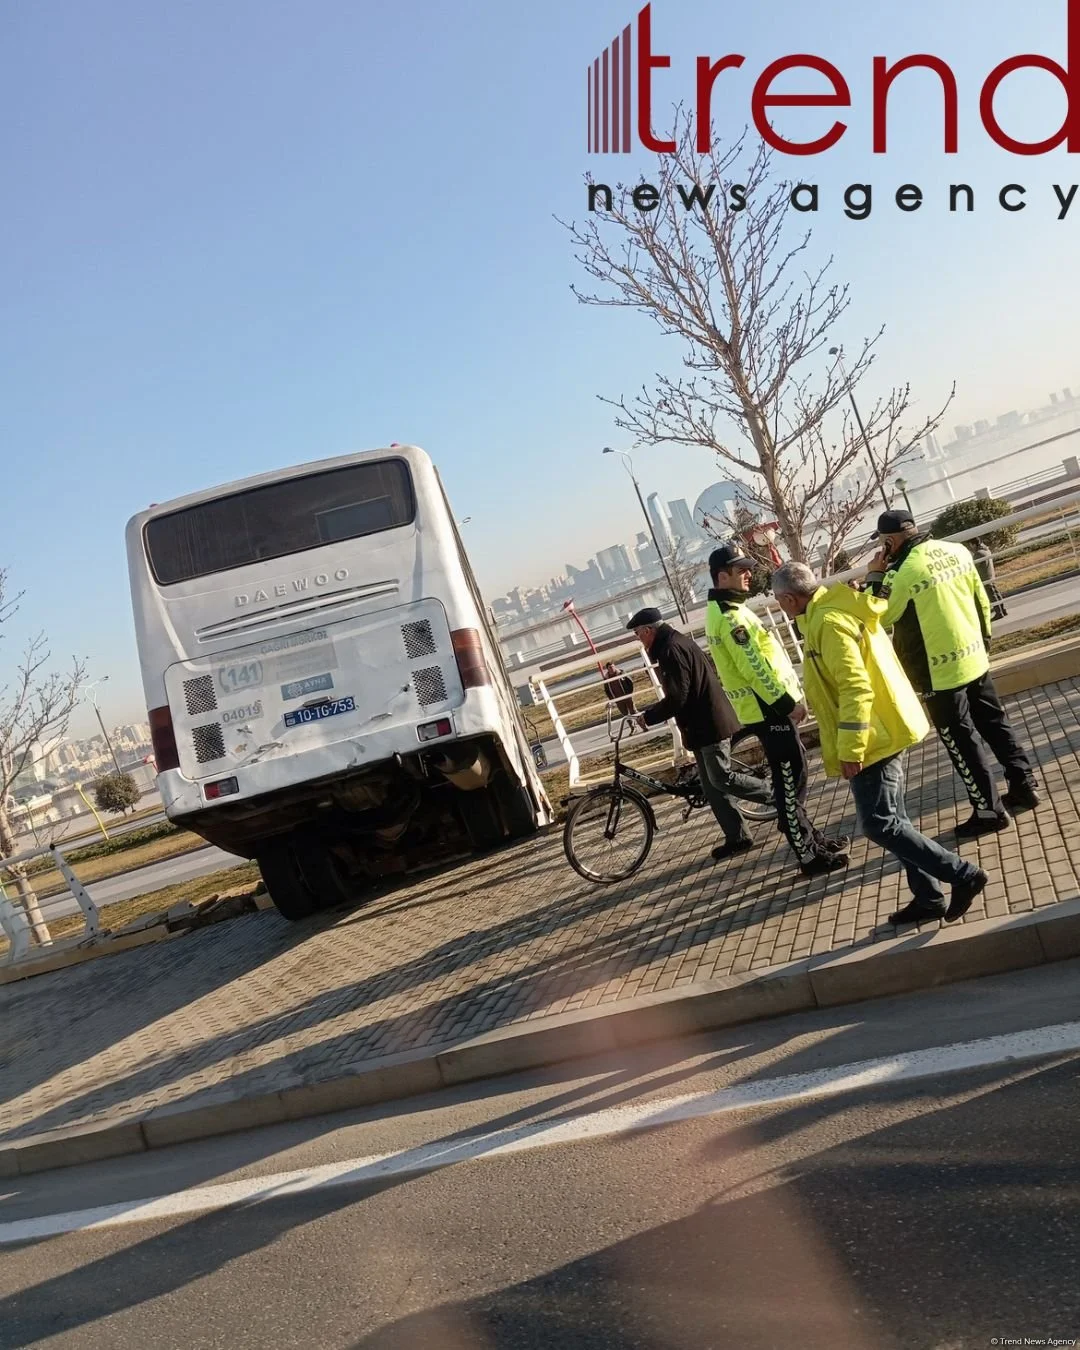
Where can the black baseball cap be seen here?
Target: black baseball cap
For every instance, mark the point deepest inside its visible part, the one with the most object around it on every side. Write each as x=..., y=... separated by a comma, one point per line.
x=894, y=522
x=727, y=556
x=645, y=618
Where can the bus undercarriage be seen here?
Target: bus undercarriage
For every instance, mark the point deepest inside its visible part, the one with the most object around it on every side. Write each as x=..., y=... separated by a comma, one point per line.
x=325, y=842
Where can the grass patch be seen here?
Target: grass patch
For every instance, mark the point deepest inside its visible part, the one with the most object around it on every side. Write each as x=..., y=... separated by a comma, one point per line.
x=1042, y=632
x=240, y=880
x=164, y=842
x=1042, y=561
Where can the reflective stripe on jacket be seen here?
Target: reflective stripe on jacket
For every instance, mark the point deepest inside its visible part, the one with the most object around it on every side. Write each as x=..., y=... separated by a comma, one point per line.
x=941, y=613
x=754, y=669
x=864, y=703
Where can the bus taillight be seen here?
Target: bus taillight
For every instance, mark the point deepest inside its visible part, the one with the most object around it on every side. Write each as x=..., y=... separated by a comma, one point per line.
x=470, y=658
x=164, y=739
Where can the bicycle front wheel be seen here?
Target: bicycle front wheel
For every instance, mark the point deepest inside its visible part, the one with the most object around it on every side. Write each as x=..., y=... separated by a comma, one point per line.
x=608, y=834
x=748, y=757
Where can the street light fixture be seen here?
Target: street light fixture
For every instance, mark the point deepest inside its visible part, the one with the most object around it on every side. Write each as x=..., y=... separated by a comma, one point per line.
x=629, y=465
x=93, y=699
x=901, y=483
x=835, y=351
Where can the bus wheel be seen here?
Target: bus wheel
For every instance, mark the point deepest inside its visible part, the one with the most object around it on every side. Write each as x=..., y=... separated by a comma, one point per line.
x=515, y=806
x=480, y=816
x=288, y=887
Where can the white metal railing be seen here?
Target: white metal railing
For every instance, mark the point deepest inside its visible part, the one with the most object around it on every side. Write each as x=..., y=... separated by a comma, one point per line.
x=24, y=924
x=548, y=692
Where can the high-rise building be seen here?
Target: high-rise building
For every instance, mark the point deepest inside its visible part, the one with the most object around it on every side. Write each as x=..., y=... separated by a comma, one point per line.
x=682, y=522
x=615, y=562
x=659, y=520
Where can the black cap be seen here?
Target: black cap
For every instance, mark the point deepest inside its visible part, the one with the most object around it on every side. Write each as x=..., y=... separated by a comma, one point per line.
x=727, y=556
x=645, y=618
x=894, y=522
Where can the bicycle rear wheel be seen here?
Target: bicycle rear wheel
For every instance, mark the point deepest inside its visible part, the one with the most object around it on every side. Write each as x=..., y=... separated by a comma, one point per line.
x=748, y=757
x=608, y=834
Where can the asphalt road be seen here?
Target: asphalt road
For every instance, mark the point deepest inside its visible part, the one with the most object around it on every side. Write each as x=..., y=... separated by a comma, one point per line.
x=867, y=1179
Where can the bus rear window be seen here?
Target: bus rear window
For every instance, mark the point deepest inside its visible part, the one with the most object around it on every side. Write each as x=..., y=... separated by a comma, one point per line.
x=278, y=519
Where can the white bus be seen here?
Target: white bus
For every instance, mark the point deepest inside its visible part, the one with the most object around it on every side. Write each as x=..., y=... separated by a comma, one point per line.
x=324, y=684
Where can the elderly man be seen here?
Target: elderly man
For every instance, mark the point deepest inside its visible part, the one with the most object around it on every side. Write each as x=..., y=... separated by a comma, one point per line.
x=694, y=700
x=868, y=715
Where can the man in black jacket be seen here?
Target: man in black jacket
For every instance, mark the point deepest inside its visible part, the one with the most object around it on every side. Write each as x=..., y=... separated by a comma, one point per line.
x=697, y=704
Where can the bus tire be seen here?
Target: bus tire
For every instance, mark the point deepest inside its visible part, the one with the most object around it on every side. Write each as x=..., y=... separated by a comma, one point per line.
x=480, y=815
x=303, y=877
x=516, y=807
x=293, y=898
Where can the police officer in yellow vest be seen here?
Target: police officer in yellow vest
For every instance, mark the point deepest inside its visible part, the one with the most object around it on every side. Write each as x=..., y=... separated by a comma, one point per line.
x=938, y=609
x=868, y=716
x=764, y=690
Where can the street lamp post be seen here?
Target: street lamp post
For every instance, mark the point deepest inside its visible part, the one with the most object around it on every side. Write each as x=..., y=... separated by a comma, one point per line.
x=629, y=463
x=101, y=722
x=901, y=483
x=835, y=351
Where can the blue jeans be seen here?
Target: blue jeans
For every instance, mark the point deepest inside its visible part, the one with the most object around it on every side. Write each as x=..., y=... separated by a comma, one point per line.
x=879, y=801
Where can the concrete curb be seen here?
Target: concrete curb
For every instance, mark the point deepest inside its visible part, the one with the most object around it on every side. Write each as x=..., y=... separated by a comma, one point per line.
x=922, y=960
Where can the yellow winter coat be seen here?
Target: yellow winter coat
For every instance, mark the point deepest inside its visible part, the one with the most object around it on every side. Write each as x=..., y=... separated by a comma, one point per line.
x=864, y=703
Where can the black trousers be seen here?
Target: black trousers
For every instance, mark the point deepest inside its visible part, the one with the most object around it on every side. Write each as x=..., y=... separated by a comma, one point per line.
x=958, y=714
x=787, y=763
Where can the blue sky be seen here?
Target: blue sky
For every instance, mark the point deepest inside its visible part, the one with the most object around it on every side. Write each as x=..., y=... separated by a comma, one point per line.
x=241, y=235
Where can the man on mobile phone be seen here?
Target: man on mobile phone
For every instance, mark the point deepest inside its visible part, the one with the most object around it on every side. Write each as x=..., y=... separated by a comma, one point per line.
x=939, y=611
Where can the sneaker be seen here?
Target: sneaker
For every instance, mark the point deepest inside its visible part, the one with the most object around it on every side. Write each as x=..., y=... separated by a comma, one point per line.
x=840, y=844
x=918, y=911
x=824, y=862
x=730, y=850
x=1021, y=797
x=963, y=893
x=976, y=825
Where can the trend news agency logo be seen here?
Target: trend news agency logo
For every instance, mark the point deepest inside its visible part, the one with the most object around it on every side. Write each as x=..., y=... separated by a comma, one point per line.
x=612, y=78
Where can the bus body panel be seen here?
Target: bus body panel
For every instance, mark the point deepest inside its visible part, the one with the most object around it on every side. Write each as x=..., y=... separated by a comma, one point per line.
x=365, y=619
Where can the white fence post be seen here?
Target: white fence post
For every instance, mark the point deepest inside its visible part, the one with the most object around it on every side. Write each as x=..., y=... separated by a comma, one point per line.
x=79, y=891
x=15, y=924
x=564, y=737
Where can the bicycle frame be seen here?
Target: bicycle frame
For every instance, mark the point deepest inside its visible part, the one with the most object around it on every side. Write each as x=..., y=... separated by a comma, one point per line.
x=628, y=771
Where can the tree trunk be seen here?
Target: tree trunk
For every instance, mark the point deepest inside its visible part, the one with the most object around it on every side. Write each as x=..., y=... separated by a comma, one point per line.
x=26, y=893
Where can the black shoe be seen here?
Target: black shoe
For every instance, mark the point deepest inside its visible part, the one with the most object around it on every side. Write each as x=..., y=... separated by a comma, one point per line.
x=918, y=911
x=976, y=825
x=1021, y=797
x=840, y=844
x=730, y=850
x=963, y=893
x=824, y=862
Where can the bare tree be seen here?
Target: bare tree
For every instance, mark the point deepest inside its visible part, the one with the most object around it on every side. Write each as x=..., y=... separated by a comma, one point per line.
x=753, y=319
x=35, y=706
x=684, y=572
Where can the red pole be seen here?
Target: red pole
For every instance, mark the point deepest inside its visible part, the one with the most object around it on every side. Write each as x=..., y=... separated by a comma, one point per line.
x=568, y=607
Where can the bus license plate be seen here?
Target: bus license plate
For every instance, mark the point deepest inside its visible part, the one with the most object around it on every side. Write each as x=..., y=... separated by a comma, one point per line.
x=299, y=717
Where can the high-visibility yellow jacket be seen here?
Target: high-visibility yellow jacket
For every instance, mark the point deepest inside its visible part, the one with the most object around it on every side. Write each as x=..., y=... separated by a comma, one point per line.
x=938, y=606
x=864, y=703
x=754, y=669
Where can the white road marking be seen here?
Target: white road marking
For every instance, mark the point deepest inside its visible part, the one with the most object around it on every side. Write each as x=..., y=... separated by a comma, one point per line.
x=828, y=1082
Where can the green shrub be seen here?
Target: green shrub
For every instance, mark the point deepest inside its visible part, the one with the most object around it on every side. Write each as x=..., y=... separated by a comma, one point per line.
x=979, y=511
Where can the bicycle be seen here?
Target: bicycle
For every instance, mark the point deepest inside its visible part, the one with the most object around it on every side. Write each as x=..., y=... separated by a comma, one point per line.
x=616, y=816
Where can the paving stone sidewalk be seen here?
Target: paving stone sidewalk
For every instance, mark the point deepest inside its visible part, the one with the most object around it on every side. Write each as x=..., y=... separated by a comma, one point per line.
x=260, y=1004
